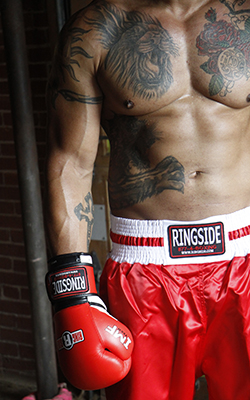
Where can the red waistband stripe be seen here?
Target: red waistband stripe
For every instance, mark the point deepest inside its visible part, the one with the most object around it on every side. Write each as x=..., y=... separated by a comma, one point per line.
x=239, y=233
x=137, y=241
x=159, y=241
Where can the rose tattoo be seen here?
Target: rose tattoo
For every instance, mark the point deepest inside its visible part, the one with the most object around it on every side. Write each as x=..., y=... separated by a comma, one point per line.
x=227, y=46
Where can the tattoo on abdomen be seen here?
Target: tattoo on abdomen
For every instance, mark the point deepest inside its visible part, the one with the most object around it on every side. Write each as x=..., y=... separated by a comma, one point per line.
x=86, y=213
x=133, y=179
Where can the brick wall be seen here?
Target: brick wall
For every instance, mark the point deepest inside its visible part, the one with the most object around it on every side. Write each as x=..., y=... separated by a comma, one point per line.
x=16, y=349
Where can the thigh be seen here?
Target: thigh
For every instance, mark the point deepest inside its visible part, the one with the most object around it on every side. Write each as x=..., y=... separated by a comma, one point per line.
x=165, y=324
x=226, y=361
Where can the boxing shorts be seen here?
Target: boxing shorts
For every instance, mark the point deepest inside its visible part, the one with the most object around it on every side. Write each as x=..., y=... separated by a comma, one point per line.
x=183, y=289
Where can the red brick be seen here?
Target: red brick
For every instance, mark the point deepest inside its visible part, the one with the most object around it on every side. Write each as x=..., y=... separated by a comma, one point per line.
x=4, y=102
x=41, y=134
x=11, y=335
x=24, y=323
x=11, y=178
x=28, y=20
x=9, y=193
x=2, y=55
x=37, y=36
x=39, y=103
x=40, y=19
x=41, y=150
x=10, y=221
x=27, y=352
x=6, y=207
x=38, y=70
x=9, y=349
x=31, y=5
x=4, y=87
x=17, y=236
x=8, y=163
x=14, y=307
x=3, y=71
x=25, y=294
x=41, y=122
x=4, y=235
x=8, y=149
x=17, y=364
x=5, y=263
x=6, y=133
x=7, y=121
x=13, y=278
x=19, y=266
x=18, y=210
x=38, y=87
x=8, y=320
x=11, y=292
x=38, y=54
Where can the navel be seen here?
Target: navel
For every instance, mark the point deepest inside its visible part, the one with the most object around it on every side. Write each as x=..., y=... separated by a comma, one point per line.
x=195, y=174
x=129, y=104
x=248, y=98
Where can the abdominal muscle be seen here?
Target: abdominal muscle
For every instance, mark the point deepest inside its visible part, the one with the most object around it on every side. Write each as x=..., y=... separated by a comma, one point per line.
x=204, y=153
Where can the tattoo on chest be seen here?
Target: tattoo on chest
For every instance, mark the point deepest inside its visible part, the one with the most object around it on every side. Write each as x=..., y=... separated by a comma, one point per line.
x=226, y=44
x=139, y=50
x=139, y=53
x=133, y=176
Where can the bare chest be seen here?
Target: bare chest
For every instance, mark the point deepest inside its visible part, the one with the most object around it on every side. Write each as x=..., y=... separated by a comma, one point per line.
x=151, y=61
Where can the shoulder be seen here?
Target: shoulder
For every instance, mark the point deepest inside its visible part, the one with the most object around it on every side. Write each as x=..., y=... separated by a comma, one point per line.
x=89, y=32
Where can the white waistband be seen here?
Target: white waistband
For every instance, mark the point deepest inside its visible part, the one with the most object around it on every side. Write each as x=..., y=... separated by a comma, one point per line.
x=167, y=242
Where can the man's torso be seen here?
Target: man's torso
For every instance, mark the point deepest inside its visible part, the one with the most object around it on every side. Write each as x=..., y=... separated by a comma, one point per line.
x=176, y=106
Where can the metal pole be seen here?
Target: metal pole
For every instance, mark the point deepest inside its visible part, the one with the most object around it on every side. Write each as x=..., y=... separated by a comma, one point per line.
x=29, y=184
x=63, y=12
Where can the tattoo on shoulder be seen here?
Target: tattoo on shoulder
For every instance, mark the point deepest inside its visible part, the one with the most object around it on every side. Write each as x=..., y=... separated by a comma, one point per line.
x=226, y=44
x=139, y=52
x=133, y=179
x=70, y=45
x=69, y=95
x=86, y=212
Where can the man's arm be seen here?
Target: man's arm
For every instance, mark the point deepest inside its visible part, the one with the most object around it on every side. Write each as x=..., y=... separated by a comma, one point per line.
x=94, y=349
x=74, y=107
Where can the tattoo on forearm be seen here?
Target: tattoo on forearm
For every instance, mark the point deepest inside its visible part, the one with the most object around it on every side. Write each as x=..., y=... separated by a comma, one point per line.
x=87, y=214
x=133, y=179
x=226, y=44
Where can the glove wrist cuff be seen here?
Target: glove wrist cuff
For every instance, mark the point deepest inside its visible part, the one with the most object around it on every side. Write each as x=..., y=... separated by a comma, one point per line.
x=62, y=260
x=70, y=280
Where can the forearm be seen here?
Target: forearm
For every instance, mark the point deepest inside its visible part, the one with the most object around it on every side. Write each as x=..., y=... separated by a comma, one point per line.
x=69, y=211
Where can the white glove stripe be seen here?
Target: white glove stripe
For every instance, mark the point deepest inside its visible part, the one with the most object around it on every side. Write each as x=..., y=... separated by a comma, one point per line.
x=96, y=301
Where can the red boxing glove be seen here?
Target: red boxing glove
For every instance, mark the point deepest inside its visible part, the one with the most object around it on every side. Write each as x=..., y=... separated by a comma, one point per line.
x=94, y=349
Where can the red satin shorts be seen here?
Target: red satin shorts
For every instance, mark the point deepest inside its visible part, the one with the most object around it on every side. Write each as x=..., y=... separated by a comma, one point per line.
x=183, y=289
